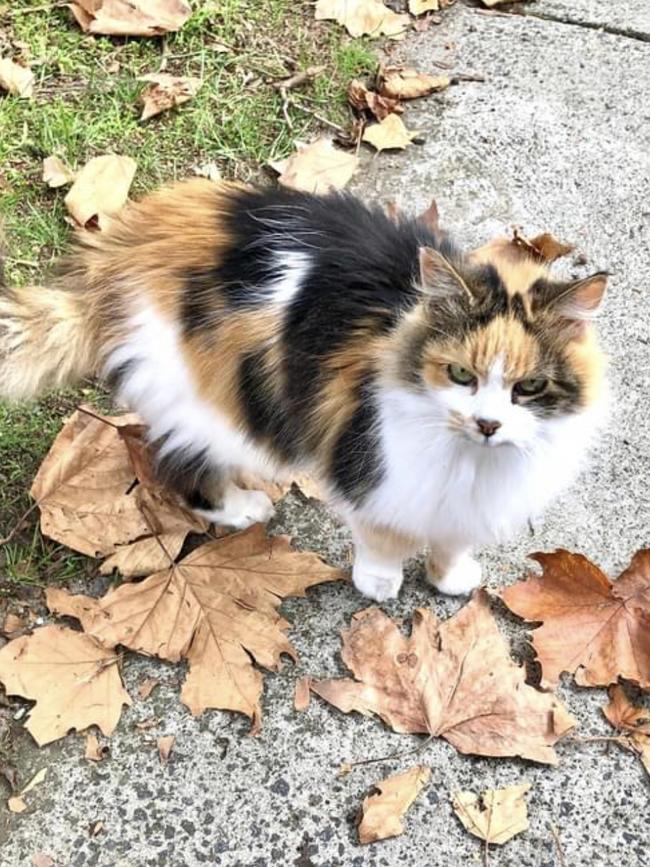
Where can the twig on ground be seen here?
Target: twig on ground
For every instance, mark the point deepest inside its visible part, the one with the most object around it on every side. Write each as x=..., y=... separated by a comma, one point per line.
x=392, y=756
x=469, y=76
x=315, y=114
x=558, y=844
x=10, y=535
x=26, y=10
x=299, y=78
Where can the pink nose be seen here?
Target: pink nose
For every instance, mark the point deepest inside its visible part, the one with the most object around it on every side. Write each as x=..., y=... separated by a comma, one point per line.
x=487, y=427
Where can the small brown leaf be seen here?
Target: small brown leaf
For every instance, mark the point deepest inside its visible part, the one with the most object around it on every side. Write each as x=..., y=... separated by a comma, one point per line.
x=302, y=694
x=101, y=189
x=633, y=720
x=16, y=79
x=495, y=815
x=16, y=803
x=317, y=168
x=419, y=7
x=166, y=91
x=131, y=17
x=165, y=746
x=389, y=134
x=95, y=752
x=543, y=247
x=74, y=682
x=363, y=17
x=147, y=686
x=593, y=628
x=383, y=812
x=404, y=82
x=12, y=625
x=363, y=99
x=56, y=173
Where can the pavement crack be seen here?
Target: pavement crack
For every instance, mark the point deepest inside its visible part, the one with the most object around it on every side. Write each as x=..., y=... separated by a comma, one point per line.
x=626, y=32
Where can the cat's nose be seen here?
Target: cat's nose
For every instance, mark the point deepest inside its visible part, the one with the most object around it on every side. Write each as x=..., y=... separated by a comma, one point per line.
x=488, y=427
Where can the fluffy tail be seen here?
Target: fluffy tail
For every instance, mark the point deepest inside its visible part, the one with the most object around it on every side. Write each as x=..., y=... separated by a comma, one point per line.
x=45, y=340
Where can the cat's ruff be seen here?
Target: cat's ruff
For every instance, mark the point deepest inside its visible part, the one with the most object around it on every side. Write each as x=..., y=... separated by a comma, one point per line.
x=441, y=400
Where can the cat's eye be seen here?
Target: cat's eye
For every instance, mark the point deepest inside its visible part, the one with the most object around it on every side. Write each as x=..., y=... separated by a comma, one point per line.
x=460, y=375
x=529, y=387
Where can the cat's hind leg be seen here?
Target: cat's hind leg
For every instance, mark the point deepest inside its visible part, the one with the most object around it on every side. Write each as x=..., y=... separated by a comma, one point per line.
x=453, y=572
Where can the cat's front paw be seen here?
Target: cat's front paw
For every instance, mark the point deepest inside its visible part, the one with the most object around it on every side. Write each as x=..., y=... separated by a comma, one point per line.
x=459, y=579
x=376, y=583
x=241, y=509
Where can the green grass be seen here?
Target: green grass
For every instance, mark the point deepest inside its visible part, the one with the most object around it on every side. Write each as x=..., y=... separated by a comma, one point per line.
x=85, y=104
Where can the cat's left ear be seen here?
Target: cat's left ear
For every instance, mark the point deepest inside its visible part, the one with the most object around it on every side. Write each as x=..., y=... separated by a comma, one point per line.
x=438, y=277
x=580, y=300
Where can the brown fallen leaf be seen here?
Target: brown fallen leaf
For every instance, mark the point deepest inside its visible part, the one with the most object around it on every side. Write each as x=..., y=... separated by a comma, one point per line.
x=363, y=17
x=543, y=247
x=147, y=686
x=86, y=492
x=16, y=79
x=383, y=812
x=100, y=189
x=40, y=859
x=74, y=682
x=302, y=694
x=363, y=99
x=404, y=82
x=166, y=91
x=317, y=168
x=12, y=625
x=217, y=608
x=165, y=746
x=632, y=720
x=131, y=17
x=495, y=815
x=94, y=752
x=593, y=628
x=56, y=173
x=419, y=7
x=16, y=803
x=389, y=134
x=453, y=679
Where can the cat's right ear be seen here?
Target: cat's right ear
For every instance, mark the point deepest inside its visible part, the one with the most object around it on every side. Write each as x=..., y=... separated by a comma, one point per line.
x=438, y=277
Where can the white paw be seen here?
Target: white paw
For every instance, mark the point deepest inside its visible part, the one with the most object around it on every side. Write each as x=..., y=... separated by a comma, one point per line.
x=376, y=583
x=459, y=579
x=241, y=509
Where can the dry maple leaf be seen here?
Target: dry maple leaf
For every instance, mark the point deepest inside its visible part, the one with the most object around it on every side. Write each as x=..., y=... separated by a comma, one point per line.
x=543, y=247
x=86, y=491
x=453, y=679
x=131, y=17
x=101, y=189
x=363, y=17
x=592, y=628
x=166, y=91
x=495, y=815
x=633, y=720
x=217, y=608
x=165, y=746
x=389, y=134
x=56, y=173
x=74, y=682
x=16, y=79
x=363, y=99
x=317, y=168
x=404, y=82
x=419, y=7
x=382, y=813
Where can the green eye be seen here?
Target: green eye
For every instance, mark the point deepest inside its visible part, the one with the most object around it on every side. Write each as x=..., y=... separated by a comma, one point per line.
x=530, y=386
x=460, y=375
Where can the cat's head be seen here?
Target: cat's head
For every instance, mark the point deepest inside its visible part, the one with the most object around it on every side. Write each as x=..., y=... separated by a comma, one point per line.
x=502, y=351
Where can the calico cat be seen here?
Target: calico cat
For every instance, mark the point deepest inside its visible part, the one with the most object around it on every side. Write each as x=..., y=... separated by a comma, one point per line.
x=440, y=399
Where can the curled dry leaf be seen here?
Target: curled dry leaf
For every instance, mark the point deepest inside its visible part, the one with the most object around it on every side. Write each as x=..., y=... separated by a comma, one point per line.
x=543, y=247
x=363, y=17
x=495, y=815
x=86, y=492
x=382, y=813
x=404, y=82
x=593, y=628
x=632, y=720
x=131, y=17
x=94, y=752
x=16, y=79
x=56, y=173
x=363, y=99
x=74, y=682
x=166, y=91
x=165, y=747
x=101, y=189
x=389, y=134
x=302, y=693
x=217, y=608
x=317, y=168
x=453, y=679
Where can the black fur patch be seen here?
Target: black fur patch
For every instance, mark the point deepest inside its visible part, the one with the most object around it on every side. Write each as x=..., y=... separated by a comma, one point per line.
x=356, y=466
x=267, y=419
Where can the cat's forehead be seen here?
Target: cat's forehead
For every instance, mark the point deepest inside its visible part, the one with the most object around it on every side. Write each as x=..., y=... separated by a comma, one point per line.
x=504, y=345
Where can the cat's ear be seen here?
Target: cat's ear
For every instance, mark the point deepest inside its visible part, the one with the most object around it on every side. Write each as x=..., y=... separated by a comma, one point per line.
x=580, y=300
x=438, y=277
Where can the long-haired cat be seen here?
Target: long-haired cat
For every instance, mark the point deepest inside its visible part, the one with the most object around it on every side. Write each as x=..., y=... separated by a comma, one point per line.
x=441, y=400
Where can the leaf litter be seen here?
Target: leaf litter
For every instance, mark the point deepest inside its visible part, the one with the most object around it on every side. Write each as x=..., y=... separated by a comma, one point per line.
x=100, y=190
x=495, y=815
x=131, y=17
x=382, y=813
x=164, y=92
x=318, y=167
x=632, y=721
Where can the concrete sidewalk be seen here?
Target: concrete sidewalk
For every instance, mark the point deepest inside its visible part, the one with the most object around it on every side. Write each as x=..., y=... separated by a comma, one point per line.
x=556, y=139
